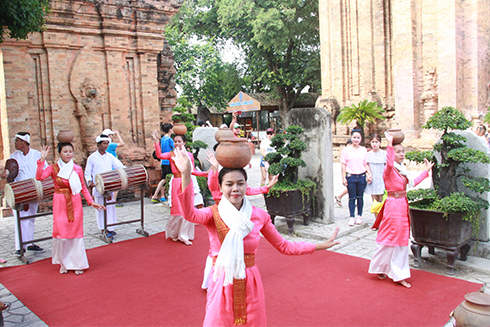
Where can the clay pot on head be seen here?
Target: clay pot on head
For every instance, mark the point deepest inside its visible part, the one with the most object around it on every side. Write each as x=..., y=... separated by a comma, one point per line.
x=398, y=135
x=180, y=129
x=222, y=133
x=233, y=152
x=65, y=136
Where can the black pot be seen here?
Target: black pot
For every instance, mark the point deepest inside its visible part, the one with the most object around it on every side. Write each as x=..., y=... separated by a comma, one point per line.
x=289, y=204
x=447, y=229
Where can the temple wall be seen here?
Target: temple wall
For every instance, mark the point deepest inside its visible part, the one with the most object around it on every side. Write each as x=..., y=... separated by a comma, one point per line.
x=95, y=66
x=413, y=57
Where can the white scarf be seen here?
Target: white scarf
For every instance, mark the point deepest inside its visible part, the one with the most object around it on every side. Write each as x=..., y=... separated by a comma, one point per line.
x=231, y=256
x=66, y=172
x=403, y=171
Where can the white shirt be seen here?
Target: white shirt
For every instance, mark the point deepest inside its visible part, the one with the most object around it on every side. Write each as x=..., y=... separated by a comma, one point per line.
x=97, y=163
x=265, y=144
x=27, y=164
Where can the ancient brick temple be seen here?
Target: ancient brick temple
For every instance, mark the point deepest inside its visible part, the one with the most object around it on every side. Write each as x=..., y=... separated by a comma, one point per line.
x=98, y=64
x=413, y=57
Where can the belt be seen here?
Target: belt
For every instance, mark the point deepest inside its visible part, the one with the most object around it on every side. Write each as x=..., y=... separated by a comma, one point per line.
x=177, y=175
x=397, y=194
x=69, y=204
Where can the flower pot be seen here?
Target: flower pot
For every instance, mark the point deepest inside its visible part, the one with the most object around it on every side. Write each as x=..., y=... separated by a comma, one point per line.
x=233, y=152
x=289, y=204
x=223, y=132
x=179, y=129
x=398, y=135
x=434, y=227
x=65, y=136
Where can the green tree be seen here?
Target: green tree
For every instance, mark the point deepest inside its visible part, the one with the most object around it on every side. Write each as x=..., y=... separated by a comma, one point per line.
x=18, y=18
x=279, y=40
x=365, y=111
x=202, y=75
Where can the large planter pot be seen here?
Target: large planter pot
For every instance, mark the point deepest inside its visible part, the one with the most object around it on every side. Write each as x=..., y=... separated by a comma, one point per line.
x=289, y=204
x=436, y=229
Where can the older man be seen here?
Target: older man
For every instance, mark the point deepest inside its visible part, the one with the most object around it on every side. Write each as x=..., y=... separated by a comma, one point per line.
x=27, y=160
x=99, y=162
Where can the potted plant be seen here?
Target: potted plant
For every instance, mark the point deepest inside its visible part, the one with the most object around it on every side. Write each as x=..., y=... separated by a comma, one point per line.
x=289, y=197
x=447, y=215
x=365, y=111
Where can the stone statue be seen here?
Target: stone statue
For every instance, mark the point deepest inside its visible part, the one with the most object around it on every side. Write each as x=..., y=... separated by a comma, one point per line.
x=89, y=114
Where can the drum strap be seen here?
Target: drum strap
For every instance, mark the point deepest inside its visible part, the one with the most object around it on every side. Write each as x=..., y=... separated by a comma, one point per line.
x=239, y=290
x=66, y=191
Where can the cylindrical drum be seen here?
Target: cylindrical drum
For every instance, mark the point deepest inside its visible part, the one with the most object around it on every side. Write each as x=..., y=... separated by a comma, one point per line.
x=121, y=179
x=28, y=191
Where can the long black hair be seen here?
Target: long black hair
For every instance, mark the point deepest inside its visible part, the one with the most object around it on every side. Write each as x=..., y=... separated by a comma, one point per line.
x=61, y=145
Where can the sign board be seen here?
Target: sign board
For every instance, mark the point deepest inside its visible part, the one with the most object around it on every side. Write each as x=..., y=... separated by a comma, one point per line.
x=243, y=102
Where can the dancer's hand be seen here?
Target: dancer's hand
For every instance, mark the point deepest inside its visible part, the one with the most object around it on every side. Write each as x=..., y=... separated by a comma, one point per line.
x=98, y=206
x=182, y=161
x=389, y=138
x=44, y=152
x=273, y=181
x=428, y=165
x=212, y=160
x=330, y=242
x=154, y=135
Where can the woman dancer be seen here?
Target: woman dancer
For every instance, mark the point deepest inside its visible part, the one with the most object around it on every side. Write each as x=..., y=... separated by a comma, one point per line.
x=391, y=256
x=178, y=229
x=355, y=173
x=68, y=246
x=235, y=293
x=376, y=160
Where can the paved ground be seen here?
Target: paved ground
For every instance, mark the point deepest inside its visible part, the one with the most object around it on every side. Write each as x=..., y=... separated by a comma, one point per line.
x=357, y=241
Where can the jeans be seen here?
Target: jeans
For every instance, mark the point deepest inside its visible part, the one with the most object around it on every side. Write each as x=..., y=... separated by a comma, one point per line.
x=355, y=186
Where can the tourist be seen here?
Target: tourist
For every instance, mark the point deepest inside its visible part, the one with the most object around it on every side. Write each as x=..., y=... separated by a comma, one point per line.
x=235, y=293
x=376, y=159
x=26, y=158
x=265, y=148
x=481, y=131
x=100, y=162
x=355, y=174
x=68, y=246
x=338, y=198
x=393, y=221
x=166, y=145
x=178, y=229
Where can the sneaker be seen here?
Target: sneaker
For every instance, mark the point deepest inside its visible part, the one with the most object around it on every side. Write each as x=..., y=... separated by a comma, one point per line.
x=108, y=235
x=359, y=220
x=35, y=248
x=119, y=205
x=352, y=221
x=163, y=199
x=112, y=232
x=155, y=200
x=17, y=253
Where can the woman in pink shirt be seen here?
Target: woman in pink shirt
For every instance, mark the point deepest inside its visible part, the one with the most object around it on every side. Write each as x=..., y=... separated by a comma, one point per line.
x=355, y=173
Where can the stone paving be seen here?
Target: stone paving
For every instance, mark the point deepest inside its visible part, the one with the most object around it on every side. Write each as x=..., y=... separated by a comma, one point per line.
x=358, y=240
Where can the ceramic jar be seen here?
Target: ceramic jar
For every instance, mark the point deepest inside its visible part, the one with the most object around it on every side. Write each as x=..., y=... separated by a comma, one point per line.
x=398, y=135
x=233, y=152
x=223, y=132
x=180, y=129
x=474, y=311
x=65, y=136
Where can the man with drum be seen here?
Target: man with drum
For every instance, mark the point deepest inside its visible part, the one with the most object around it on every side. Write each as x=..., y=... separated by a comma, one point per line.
x=99, y=162
x=26, y=158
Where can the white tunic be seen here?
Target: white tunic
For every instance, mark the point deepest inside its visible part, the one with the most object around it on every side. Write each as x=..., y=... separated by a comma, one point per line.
x=98, y=163
x=27, y=164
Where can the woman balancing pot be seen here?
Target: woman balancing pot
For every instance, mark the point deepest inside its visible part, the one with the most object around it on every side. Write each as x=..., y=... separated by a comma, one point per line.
x=233, y=152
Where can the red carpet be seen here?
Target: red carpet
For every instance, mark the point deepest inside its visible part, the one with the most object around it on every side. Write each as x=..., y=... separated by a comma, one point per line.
x=156, y=282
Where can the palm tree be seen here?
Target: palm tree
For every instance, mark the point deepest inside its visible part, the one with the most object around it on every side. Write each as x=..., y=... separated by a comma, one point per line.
x=365, y=111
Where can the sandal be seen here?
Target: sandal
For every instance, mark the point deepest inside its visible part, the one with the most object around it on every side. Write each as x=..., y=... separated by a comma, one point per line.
x=339, y=203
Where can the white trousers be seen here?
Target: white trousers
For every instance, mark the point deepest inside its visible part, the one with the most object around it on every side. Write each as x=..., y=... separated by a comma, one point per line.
x=391, y=261
x=26, y=225
x=111, y=213
x=70, y=253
